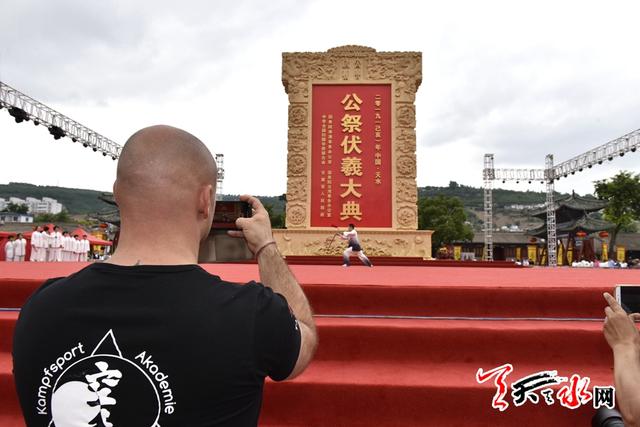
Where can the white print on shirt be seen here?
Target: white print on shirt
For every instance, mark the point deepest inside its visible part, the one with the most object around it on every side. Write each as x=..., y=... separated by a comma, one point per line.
x=106, y=389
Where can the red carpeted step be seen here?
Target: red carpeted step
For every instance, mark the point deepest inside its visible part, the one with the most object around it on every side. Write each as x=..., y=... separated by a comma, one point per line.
x=414, y=291
x=10, y=414
x=443, y=341
x=410, y=394
x=7, y=324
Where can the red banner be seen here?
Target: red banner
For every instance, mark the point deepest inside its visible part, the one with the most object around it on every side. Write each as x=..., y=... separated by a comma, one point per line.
x=351, y=155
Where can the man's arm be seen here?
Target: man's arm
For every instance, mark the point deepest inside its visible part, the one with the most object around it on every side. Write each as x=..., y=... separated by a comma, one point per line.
x=623, y=337
x=275, y=274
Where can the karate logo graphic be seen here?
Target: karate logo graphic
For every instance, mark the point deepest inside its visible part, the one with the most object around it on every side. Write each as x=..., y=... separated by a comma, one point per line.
x=105, y=389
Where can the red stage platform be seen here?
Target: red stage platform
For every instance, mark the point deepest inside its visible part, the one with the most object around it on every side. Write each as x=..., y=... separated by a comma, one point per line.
x=400, y=346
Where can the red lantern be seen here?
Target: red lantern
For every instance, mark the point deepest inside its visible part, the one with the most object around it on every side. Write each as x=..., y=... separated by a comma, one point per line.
x=603, y=234
x=533, y=240
x=581, y=234
x=103, y=225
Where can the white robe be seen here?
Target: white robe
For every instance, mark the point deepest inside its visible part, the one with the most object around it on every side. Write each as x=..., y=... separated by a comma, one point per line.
x=86, y=248
x=77, y=249
x=56, y=246
x=67, y=251
x=49, y=239
x=9, y=250
x=35, y=246
x=20, y=249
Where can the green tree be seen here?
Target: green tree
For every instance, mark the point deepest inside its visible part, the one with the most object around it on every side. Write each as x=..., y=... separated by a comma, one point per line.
x=445, y=215
x=45, y=217
x=277, y=220
x=13, y=207
x=623, y=194
x=62, y=216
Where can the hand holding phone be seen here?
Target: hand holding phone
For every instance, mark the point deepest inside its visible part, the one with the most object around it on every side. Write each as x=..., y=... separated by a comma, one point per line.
x=619, y=329
x=227, y=212
x=628, y=296
x=257, y=229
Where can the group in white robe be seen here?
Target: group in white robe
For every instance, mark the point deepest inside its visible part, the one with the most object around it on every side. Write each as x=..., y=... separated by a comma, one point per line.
x=55, y=246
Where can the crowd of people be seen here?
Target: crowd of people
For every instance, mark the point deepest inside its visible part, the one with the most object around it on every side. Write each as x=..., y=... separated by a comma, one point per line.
x=48, y=245
x=632, y=263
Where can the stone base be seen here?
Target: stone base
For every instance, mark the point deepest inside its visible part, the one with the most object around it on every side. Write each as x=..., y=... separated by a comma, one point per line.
x=317, y=241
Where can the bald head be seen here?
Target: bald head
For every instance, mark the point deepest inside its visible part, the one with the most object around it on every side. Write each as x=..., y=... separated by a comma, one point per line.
x=163, y=171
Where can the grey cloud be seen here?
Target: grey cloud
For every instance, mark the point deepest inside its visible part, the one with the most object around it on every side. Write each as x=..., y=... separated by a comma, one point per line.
x=104, y=51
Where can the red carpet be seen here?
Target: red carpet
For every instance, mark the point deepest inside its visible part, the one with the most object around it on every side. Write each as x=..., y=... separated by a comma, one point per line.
x=411, y=372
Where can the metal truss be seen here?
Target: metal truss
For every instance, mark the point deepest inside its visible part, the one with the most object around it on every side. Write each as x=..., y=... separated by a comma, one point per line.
x=24, y=108
x=618, y=147
x=612, y=149
x=528, y=175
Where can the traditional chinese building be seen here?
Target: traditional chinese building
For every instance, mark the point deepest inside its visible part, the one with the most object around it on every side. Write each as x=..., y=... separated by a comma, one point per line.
x=351, y=151
x=575, y=227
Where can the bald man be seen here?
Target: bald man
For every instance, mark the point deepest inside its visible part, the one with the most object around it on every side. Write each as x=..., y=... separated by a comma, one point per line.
x=151, y=338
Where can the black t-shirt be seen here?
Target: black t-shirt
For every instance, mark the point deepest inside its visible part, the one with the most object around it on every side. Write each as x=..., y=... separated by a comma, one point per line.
x=143, y=346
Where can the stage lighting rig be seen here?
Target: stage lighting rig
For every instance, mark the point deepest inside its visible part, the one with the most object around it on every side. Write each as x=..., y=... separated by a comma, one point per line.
x=18, y=114
x=23, y=108
x=57, y=132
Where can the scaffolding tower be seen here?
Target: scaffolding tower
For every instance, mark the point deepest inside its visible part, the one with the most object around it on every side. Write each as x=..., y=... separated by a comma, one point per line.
x=552, y=240
x=220, y=165
x=489, y=175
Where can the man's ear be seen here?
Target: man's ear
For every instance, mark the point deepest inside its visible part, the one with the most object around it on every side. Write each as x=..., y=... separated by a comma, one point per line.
x=115, y=191
x=206, y=201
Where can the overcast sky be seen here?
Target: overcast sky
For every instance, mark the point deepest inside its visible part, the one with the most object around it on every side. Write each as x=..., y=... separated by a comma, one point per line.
x=516, y=78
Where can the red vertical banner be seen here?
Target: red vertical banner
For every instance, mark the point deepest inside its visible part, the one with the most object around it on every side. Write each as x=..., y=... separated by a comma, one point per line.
x=351, y=155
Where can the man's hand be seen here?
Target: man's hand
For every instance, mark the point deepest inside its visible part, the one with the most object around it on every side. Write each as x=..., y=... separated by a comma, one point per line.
x=257, y=229
x=619, y=327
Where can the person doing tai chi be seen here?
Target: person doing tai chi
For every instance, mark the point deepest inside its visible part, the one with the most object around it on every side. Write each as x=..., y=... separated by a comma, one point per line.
x=351, y=235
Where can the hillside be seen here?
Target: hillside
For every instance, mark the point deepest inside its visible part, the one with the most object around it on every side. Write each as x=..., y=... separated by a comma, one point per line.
x=75, y=200
x=81, y=202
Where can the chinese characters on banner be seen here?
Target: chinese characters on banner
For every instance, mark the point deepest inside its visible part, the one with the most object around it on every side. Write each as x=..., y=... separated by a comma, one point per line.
x=351, y=155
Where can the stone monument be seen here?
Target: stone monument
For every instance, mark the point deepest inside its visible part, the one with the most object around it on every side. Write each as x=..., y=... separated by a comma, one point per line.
x=352, y=152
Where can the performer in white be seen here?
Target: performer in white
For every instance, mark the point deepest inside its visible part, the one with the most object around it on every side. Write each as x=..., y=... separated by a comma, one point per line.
x=86, y=247
x=354, y=247
x=20, y=248
x=45, y=244
x=67, y=242
x=77, y=248
x=56, y=245
x=9, y=248
x=34, y=248
x=49, y=241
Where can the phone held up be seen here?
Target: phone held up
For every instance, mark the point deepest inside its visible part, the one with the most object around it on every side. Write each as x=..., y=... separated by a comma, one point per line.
x=226, y=213
x=628, y=296
x=219, y=246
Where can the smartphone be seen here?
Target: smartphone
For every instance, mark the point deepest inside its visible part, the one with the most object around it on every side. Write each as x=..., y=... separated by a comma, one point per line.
x=226, y=213
x=219, y=246
x=628, y=296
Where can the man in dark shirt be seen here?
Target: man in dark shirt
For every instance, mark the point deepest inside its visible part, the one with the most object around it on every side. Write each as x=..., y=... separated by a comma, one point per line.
x=150, y=338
